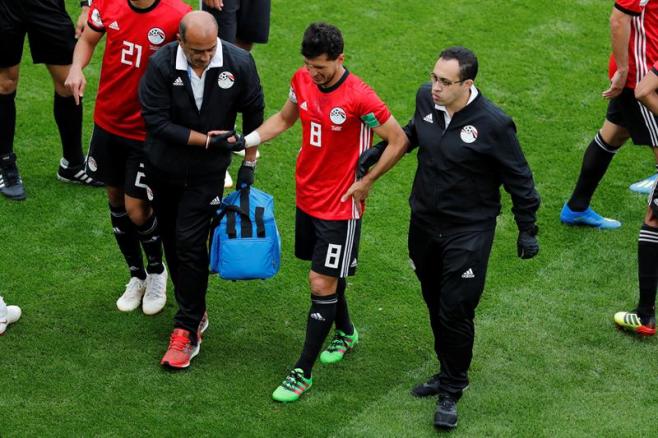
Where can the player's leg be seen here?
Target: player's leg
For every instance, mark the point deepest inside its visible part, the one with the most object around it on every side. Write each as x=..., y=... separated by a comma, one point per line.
x=11, y=184
x=192, y=228
x=644, y=186
x=141, y=214
x=253, y=23
x=466, y=256
x=346, y=336
x=227, y=19
x=642, y=319
x=596, y=160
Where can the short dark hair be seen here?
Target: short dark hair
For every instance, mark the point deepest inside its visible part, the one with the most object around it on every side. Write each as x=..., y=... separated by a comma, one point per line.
x=322, y=38
x=468, y=62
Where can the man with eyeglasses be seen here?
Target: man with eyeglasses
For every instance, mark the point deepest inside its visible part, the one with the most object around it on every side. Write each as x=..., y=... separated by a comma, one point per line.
x=467, y=149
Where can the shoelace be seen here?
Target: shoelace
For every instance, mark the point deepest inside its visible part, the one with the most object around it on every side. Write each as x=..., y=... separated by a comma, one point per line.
x=157, y=291
x=292, y=381
x=10, y=175
x=178, y=342
x=446, y=403
x=338, y=342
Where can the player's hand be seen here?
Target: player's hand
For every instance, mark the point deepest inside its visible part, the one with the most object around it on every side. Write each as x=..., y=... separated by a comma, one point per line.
x=617, y=84
x=76, y=83
x=369, y=157
x=245, y=176
x=359, y=191
x=228, y=140
x=216, y=4
x=82, y=19
x=527, y=245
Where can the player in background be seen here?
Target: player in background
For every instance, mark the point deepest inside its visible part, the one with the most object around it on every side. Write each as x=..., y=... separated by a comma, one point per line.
x=51, y=35
x=642, y=319
x=135, y=29
x=338, y=112
x=634, y=34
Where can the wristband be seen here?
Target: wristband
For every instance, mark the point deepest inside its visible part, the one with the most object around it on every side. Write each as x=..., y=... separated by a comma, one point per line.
x=252, y=139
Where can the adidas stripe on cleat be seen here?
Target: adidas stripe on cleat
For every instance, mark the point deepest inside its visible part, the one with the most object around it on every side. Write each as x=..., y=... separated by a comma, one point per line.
x=340, y=345
x=292, y=387
x=631, y=321
x=76, y=174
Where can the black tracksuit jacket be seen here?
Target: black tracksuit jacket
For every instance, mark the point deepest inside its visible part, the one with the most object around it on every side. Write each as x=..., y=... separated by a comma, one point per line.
x=170, y=111
x=457, y=182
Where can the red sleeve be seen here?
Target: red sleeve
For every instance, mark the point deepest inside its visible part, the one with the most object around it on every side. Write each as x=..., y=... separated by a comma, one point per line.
x=292, y=94
x=95, y=19
x=631, y=7
x=372, y=110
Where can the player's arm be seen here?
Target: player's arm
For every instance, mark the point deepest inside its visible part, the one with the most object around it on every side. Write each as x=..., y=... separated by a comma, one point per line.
x=82, y=18
x=216, y=4
x=620, y=35
x=397, y=146
x=274, y=125
x=645, y=91
x=84, y=49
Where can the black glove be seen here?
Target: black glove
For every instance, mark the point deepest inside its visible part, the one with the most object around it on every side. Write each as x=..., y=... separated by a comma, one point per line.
x=245, y=176
x=221, y=141
x=369, y=157
x=526, y=245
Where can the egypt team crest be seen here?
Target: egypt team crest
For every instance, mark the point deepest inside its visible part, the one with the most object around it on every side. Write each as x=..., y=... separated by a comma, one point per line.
x=338, y=116
x=96, y=18
x=469, y=134
x=91, y=164
x=225, y=80
x=156, y=36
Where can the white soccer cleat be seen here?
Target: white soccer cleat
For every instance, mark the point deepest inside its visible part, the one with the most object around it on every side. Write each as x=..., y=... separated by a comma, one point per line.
x=8, y=315
x=155, y=297
x=132, y=297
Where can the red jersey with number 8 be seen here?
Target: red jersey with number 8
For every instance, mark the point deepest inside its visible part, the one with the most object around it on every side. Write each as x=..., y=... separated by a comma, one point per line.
x=133, y=35
x=643, y=44
x=337, y=127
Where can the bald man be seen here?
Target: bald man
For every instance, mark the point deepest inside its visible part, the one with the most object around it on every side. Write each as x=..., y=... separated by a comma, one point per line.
x=191, y=94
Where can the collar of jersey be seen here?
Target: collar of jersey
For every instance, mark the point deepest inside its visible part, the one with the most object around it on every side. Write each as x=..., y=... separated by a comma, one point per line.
x=337, y=84
x=216, y=61
x=474, y=94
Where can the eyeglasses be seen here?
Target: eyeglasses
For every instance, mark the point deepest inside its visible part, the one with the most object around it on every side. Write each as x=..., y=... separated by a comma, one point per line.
x=443, y=81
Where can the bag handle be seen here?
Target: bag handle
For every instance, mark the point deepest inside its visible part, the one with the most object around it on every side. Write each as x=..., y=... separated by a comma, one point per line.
x=245, y=221
x=260, y=224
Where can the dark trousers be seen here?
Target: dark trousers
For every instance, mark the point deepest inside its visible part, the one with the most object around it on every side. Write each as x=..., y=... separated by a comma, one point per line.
x=452, y=269
x=182, y=206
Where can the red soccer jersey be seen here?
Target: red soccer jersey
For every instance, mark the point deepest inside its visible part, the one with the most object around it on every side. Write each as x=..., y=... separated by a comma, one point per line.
x=643, y=45
x=336, y=125
x=133, y=35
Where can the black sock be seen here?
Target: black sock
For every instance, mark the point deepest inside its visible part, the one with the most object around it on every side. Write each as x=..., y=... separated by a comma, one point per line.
x=126, y=236
x=647, y=267
x=149, y=236
x=343, y=322
x=320, y=319
x=68, y=117
x=7, y=122
x=596, y=160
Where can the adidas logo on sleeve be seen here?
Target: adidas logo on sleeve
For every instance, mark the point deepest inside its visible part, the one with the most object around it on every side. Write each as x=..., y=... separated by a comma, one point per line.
x=468, y=274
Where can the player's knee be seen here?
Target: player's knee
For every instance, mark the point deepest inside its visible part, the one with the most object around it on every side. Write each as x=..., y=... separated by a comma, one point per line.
x=321, y=285
x=8, y=82
x=650, y=218
x=139, y=212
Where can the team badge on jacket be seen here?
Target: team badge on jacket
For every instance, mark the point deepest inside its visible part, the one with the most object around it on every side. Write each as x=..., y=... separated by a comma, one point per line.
x=225, y=80
x=338, y=116
x=469, y=134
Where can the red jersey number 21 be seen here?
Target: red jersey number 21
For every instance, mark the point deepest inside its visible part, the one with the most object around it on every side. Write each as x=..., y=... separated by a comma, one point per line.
x=131, y=54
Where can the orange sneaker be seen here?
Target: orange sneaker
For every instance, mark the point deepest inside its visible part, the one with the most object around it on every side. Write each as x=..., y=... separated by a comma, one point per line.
x=181, y=350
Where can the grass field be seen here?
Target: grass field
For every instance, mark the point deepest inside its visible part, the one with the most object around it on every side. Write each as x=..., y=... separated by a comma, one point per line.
x=548, y=361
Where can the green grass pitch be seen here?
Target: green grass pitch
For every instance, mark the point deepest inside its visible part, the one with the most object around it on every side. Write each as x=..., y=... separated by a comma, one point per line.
x=548, y=361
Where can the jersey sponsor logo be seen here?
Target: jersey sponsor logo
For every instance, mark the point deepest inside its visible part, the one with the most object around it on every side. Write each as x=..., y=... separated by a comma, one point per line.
x=91, y=164
x=304, y=106
x=428, y=118
x=156, y=36
x=225, y=80
x=469, y=134
x=338, y=116
x=96, y=18
x=114, y=25
x=178, y=82
x=468, y=274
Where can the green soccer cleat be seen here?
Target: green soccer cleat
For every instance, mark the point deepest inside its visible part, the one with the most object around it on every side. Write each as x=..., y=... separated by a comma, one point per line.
x=632, y=322
x=340, y=345
x=292, y=387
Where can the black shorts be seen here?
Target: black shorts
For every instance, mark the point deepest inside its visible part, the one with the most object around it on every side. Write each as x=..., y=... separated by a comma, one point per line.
x=118, y=162
x=626, y=111
x=332, y=246
x=48, y=27
x=248, y=20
